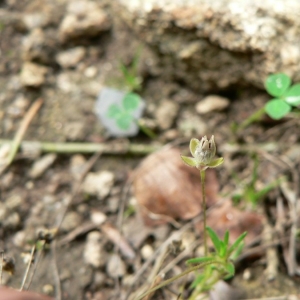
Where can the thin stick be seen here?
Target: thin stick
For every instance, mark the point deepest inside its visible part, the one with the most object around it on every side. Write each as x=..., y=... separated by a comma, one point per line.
x=28, y=268
x=35, y=265
x=58, y=294
x=1, y=266
x=22, y=129
x=202, y=175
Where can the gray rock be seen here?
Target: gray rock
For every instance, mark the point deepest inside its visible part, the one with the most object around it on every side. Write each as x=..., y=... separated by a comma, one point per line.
x=216, y=44
x=115, y=267
x=98, y=184
x=71, y=221
x=212, y=103
x=70, y=58
x=166, y=114
x=33, y=75
x=84, y=19
x=41, y=165
x=94, y=253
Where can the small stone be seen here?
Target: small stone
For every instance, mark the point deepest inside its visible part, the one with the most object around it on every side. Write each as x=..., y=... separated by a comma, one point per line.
x=116, y=267
x=41, y=165
x=48, y=289
x=14, y=201
x=85, y=19
x=98, y=217
x=74, y=131
x=33, y=75
x=71, y=221
x=12, y=221
x=98, y=184
x=147, y=251
x=212, y=103
x=70, y=58
x=90, y=72
x=166, y=114
x=19, y=239
x=93, y=253
x=77, y=165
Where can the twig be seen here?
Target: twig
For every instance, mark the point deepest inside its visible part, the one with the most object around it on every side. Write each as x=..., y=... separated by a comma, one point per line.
x=15, y=144
x=117, y=148
x=58, y=294
x=1, y=266
x=28, y=268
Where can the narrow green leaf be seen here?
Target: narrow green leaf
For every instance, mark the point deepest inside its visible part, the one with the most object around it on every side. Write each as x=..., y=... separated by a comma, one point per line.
x=190, y=161
x=199, y=260
x=292, y=96
x=131, y=101
x=215, y=239
x=194, y=143
x=230, y=269
x=277, y=108
x=235, y=254
x=124, y=121
x=216, y=162
x=226, y=238
x=237, y=242
x=113, y=111
x=277, y=84
x=223, y=249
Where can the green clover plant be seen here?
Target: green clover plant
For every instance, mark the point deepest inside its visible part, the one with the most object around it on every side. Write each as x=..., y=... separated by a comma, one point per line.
x=123, y=113
x=286, y=96
x=218, y=264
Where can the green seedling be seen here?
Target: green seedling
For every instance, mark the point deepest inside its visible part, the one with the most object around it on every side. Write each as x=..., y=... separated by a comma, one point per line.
x=286, y=96
x=250, y=193
x=218, y=264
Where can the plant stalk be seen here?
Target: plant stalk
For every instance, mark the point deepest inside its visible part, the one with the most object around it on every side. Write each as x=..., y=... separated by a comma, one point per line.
x=256, y=116
x=202, y=176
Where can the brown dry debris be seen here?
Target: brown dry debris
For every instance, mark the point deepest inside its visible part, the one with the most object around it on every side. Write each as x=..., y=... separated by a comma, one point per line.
x=167, y=189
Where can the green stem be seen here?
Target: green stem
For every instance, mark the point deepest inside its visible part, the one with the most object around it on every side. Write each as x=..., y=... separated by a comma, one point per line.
x=253, y=118
x=146, y=130
x=168, y=281
x=202, y=175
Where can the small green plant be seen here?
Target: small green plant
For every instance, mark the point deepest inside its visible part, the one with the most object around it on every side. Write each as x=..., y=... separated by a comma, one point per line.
x=286, y=96
x=250, y=193
x=218, y=264
x=123, y=113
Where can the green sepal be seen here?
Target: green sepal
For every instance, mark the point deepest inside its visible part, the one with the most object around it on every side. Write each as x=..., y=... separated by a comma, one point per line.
x=190, y=161
x=277, y=108
x=194, y=143
x=277, y=84
x=237, y=242
x=292, y=96
x=216, y=162
x=199, y=260
x=131, y=101
x=215, y=239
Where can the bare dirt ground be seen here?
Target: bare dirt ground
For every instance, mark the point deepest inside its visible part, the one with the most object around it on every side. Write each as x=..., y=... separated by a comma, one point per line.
x=87, y=260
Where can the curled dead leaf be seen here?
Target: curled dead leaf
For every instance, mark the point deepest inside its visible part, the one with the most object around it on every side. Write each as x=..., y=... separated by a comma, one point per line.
x=166, y=189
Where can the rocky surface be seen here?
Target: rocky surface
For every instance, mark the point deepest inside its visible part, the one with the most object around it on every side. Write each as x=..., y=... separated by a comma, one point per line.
x=218, y=44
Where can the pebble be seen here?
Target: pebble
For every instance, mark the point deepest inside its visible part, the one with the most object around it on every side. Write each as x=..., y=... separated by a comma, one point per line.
x=77, y=165
x=116, y=267
x=166, y=114
x=147, y=251
x=33, y=75
x=98, y=184
x=70, y=58
x=19, y=239
x=84, y=19
x=93, y=252
x=71, y=221
x=98, y=217
x=41, y=165
x=14, y=201
x=74, y=131
x=212, y=103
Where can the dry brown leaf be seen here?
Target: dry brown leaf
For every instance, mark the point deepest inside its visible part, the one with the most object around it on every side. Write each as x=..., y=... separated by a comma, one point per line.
x=167, y=189
x=236, y=221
